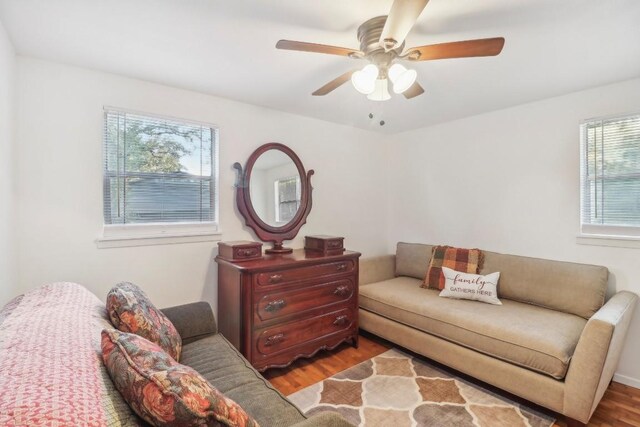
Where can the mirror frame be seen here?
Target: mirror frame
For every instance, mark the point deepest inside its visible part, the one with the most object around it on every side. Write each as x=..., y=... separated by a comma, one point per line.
x=264, y=231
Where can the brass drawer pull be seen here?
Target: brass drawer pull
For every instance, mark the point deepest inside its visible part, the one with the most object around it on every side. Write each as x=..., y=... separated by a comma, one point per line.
x=341, y=320
x=274, y=339
x=341, y=290
x=334, y=244
x=275, y=278
x=342, y=267
x=274, y=306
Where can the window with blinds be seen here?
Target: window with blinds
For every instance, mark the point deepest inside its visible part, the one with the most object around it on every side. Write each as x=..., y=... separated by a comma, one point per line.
x=287, y=198
x=158, y=170
x=611, y=176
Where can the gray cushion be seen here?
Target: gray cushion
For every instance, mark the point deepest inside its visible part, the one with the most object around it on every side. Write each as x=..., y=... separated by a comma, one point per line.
x=412, y=260
x=193, y=321
x=221, y=364
x=527, y=335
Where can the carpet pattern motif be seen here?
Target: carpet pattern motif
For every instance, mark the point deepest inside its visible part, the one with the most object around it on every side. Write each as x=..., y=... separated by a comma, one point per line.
x=395, y=389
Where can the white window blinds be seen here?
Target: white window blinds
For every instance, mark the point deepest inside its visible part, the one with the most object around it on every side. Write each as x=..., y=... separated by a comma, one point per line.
x=158, y=170
x=611, y=176
x=287, y=198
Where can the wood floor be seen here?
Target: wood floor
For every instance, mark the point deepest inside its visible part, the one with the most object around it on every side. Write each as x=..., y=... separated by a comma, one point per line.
x=620, y=405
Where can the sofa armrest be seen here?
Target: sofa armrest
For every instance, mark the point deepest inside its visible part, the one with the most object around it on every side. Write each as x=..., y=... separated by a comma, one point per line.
x=377, y=269
x=596, y=356
x=193, y=321
x=324, y=419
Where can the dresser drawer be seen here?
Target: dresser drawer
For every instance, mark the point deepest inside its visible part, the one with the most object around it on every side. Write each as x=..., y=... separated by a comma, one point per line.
x=280, y=304
x=283, y=337
x=301, y=273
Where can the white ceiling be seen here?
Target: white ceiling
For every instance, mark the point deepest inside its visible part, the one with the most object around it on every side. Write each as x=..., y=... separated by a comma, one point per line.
x=226, y=48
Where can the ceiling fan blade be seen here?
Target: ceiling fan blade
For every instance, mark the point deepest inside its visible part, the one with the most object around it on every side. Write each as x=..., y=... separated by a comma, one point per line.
x=413, y=91
x=317, y=48
x=334, y=84
x=401, y=19
x=461, y=49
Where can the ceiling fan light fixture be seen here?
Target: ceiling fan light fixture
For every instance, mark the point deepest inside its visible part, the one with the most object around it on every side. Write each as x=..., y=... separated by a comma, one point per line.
x=365, y=80
x=401, y=77
x=381, y=91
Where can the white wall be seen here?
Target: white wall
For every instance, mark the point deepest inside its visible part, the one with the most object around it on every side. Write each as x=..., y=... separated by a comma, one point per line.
x=259, y=190
x=8, y=282
x=60, y=123
x=508, y=181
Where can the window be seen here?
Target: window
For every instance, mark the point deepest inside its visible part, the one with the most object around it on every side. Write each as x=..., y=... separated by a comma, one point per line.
x=610, y=172
x=158, y=173
x=287, y=198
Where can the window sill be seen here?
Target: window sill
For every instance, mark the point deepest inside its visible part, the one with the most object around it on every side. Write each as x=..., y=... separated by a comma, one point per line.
x=119, y=236
x=609, y=240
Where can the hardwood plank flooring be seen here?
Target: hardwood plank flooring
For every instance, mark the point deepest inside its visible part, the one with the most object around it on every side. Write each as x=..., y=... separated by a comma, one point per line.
x=620, y=406
x=304, y=372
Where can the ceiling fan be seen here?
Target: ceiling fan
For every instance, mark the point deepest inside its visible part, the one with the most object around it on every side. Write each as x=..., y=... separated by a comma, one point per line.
x=382, y=44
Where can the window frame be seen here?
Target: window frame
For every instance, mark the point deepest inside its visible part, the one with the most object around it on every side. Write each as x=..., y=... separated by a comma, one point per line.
x=277, y=196
x=157, y=233
x=602, y=234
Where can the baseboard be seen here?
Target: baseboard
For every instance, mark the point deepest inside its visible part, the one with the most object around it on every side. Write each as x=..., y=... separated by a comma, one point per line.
x=623, y=379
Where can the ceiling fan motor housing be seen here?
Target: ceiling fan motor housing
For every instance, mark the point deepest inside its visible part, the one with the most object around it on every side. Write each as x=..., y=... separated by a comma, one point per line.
x=369, y=37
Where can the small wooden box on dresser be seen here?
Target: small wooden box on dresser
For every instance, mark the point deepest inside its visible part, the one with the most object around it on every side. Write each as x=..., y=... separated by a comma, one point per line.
x=279, y=308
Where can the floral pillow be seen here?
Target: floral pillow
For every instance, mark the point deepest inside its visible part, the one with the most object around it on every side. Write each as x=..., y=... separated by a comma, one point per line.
x=130, y=310
x=162, y=391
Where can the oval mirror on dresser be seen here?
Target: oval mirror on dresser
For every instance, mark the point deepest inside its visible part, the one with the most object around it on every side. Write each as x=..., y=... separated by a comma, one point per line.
x=273, y=194
x=275, y=188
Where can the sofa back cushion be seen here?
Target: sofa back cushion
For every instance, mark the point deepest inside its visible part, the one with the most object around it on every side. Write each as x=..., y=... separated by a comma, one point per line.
x=412, y=259
x=578, y=289
x=568, y=287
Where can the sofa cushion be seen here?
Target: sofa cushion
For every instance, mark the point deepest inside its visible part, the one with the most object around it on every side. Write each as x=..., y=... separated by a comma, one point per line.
x=221, y=364
x=412, y=259
x=533, y=337
x=573, y=288
x=131, y=310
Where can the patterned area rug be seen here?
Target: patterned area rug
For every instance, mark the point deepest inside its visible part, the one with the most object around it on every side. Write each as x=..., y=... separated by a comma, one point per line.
x=395, y=389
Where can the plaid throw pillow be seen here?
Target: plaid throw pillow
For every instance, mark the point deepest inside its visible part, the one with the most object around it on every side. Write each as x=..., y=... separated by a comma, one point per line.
x=464, y=260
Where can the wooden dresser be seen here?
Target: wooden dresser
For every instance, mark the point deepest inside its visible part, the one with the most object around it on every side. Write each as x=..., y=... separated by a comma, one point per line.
x=282, y=307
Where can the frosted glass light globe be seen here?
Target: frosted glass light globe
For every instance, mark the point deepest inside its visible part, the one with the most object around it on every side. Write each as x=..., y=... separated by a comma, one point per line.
x=401, y=78
x=381, y=91
x=365, y=80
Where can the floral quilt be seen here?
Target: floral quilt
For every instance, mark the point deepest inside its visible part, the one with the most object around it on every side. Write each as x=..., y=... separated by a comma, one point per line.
x=51, y=369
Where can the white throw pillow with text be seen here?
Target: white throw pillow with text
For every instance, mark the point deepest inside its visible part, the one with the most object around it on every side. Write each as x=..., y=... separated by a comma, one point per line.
x=471, y=286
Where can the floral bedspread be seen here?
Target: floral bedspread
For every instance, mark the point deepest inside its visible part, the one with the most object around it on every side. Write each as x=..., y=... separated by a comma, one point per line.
x=51, y=370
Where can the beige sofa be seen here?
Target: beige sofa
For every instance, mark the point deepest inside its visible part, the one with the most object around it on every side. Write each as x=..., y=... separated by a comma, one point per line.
x=554, y=341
